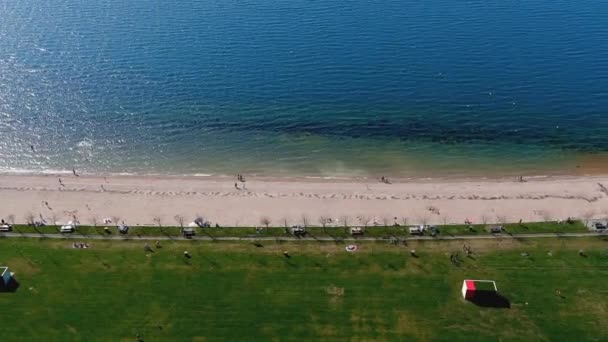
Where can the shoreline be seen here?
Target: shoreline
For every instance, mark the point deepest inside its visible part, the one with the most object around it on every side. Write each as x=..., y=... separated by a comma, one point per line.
x=584, y=165
x=311, y=179
x=139, y=200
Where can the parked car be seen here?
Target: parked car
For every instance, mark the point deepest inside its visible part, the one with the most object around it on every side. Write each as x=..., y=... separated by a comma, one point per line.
x=496, y=229
x=600, y=225
x=417, y=230
x=298, y=231
x=67, y=229
x=123, y=229
x=356, y=231
x=188, y=232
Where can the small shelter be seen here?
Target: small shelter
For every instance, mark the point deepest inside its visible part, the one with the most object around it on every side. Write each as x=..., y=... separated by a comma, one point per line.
x=471, y=288
x=6, y=275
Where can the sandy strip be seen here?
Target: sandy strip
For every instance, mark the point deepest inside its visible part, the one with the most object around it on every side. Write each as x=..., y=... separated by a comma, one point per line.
x=138, y=200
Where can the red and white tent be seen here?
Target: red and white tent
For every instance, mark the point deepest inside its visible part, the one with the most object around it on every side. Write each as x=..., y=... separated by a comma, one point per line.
x=471, y=287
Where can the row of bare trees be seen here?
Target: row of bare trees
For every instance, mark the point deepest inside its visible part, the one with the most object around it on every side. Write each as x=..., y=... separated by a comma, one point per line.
x=323, y=220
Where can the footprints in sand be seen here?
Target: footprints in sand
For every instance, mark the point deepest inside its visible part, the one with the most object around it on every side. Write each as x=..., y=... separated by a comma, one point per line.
x=328, y=196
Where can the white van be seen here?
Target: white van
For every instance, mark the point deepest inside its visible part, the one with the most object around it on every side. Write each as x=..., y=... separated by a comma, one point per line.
x=417, y=230
x=68, y=228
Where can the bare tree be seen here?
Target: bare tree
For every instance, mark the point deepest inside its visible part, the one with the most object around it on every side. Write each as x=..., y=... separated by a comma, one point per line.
x=385, y=221
x=344, y=219
x=116, y=220
x=29, y=218
x=445, y=219
x=323, y=221
x=54, y=218
x=364, y=220
x=94, y=221
x=265, y=221
x=423, y=220
x=305, y=220
x=157, y=220
x=404, y=220
x=587, y=215
x=285, y=222
x=502, y=219
x=547, y=217
x=485, y=219
x=180, y=220
x=11, y=219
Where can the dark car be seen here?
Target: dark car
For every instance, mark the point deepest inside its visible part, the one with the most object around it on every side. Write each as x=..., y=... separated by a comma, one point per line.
x=600, y=225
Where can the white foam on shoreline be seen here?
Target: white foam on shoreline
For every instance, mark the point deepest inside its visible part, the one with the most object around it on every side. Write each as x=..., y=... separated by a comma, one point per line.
x=412, y=178
x=34, y=172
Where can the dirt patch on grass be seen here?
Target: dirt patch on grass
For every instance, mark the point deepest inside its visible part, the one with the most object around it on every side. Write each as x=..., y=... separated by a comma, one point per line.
x=408, y=324
x=326, y=330
x=336, y=294
x=592, y=307
x=22, y=266
x=71, y=329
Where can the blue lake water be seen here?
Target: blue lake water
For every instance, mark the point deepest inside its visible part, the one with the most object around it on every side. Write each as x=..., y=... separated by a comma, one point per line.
x=300, y=87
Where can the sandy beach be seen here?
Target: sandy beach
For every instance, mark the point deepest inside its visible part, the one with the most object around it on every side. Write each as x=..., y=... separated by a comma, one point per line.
x=138, y=200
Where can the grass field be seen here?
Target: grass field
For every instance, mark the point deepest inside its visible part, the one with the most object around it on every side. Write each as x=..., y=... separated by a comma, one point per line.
x=237, y=291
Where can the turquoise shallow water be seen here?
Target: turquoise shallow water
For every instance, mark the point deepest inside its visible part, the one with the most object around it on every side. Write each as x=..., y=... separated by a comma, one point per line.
x=303, y=88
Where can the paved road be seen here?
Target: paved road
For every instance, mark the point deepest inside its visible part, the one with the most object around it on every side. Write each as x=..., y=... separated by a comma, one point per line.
x=269, y=238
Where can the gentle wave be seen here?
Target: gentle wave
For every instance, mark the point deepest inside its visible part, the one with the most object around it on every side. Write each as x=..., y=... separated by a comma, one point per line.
x=323, y=89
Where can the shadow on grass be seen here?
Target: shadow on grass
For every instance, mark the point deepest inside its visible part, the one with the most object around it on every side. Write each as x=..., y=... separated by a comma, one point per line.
x=334, y=236
x=307, y=234
x=41, y=233
x=12, y=286
x=490, y=299
x=167, y=234
x=208, y=234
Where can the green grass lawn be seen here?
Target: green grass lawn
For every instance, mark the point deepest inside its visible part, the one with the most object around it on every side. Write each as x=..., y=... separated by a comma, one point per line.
x=237, y=291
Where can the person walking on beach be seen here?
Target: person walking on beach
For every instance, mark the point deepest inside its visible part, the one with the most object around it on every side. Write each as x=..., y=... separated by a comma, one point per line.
x=236, y=186
x=74, y=172
x=60, y=182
